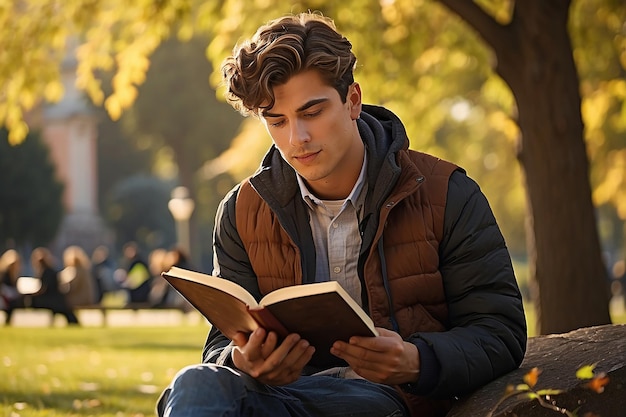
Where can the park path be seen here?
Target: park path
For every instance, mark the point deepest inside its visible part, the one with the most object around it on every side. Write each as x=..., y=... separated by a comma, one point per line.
x=116, y=318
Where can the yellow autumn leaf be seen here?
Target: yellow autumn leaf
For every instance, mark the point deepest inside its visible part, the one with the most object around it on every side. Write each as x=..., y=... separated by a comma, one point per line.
x=113, y=107
x=594, y=109
x=185, y=32
x=522, y=387
x=17, y=132
x=27, y=98
x=53, y=91
x=586, y=372
x=549, y=391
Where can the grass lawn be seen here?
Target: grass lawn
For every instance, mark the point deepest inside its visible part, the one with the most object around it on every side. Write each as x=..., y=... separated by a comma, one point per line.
x=99, y=371
x=91, y=371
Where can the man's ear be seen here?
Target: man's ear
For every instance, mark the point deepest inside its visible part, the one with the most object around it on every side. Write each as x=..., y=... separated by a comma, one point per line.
x=354, y=100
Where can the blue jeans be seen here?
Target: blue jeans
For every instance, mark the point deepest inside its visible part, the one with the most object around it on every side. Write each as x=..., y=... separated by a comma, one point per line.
x=209, y=390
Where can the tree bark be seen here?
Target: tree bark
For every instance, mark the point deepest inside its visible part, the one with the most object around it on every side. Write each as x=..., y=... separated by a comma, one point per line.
x=534, y=57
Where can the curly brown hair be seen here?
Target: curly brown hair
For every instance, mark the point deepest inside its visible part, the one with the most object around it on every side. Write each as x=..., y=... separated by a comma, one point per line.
x=281, y=49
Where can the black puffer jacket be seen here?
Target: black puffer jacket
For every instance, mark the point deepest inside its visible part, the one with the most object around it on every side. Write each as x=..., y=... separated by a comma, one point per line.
x=486, y=331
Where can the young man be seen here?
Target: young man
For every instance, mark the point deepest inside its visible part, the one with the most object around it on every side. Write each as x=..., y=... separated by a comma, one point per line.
x=340, y=197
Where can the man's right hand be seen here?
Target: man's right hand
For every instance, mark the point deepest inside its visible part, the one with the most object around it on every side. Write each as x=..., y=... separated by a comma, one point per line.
x=259, y=356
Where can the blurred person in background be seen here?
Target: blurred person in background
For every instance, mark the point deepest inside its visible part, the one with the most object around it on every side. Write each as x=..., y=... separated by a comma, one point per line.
x=10, y=268
x=157, y=262
x=164, y=295
x=103, y=269
x=76, y=278
x=137, y=280
x=49, y=295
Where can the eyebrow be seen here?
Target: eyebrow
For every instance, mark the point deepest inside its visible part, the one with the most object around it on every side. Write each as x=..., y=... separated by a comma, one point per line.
x=302, y=108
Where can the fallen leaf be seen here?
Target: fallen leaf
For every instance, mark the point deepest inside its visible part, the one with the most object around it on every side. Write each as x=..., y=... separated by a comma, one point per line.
x=532, y=376
x=598, y=383
x=586, y=372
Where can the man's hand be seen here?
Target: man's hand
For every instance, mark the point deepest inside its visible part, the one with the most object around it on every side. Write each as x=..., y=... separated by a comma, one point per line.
x=386, y=359
x=259, y=356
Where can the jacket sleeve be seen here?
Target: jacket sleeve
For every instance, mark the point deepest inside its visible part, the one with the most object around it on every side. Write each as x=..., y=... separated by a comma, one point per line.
x=486, y=334
x=230, y=261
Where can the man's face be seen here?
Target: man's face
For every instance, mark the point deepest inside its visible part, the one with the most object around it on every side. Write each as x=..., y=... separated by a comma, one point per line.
x=316, y=133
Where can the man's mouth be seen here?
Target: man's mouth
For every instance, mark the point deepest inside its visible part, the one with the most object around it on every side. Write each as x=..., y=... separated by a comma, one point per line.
x=306, y=157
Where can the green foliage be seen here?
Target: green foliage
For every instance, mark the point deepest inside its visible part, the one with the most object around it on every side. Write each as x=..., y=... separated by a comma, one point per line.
x=178, y=112
x=176, y=124
x=599, y=39
x=138, y=212
x=105, y=372
x=30, y=195
x=109, y=35
x=415, y=57
x=177, y=108
x=120, y=156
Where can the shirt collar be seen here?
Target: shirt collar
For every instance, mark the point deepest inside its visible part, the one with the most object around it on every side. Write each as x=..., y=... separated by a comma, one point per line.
x=355, y=196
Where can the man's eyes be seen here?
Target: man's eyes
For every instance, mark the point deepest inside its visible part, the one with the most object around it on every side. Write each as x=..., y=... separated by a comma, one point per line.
x=307, y=115
x=312, y=113
x=278, y=123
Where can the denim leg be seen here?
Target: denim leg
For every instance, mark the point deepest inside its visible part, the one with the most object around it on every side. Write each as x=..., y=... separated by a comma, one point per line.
x=202, y=390
x=210, y=390
x=330, y=396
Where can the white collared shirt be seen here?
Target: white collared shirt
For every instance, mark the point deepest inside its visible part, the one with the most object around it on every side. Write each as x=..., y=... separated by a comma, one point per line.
x=335, y=228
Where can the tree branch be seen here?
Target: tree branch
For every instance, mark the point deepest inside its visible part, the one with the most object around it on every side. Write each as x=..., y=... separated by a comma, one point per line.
x=493, y=33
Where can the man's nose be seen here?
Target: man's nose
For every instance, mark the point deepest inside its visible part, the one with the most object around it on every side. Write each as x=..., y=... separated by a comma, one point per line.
x=299, y=133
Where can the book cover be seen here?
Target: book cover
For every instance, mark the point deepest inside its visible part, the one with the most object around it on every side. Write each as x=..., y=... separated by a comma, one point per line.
x=321, y=313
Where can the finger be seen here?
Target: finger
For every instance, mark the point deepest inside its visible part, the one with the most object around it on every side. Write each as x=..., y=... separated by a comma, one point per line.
x=249, y=348
x=361, y=359
x=264, y=360
x=284, y=356
x=386, y=332
x=353, y=353
x=255, y=343
x=290, y=367
x=279, y=354
x=240, y=339
x=304, y=358
x=269, y=345
x=297, y=354
x=385, y=341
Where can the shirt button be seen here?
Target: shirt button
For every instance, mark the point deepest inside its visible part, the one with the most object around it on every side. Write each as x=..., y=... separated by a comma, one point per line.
x=336, y=270
x=335, y=225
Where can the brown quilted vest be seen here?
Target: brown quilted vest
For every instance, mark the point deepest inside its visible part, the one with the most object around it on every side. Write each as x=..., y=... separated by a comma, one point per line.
x=411, y=224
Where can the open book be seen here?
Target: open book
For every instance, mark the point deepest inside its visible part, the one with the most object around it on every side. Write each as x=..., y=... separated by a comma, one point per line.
x=321, y=313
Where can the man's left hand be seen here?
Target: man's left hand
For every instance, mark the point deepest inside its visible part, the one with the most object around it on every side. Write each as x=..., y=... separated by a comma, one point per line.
x=385, y=359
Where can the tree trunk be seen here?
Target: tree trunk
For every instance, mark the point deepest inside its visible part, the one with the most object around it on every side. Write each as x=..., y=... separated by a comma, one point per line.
x=534, y=56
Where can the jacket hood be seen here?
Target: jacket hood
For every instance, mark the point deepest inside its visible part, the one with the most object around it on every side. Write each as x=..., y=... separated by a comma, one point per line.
x=384, y=136
x=382, y=131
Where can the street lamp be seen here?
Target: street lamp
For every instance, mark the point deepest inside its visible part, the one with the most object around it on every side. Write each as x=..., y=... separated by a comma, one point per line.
x=181, y=206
